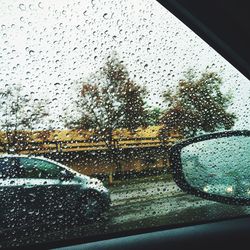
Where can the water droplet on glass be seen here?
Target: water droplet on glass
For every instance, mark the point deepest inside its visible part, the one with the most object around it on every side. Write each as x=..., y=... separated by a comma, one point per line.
x=22, y=7
x=31, y=52
x=40, y=5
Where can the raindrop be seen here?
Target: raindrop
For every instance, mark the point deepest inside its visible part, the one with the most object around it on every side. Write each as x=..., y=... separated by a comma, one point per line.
x=22, y=7
x=31, y=52
x=40, y=5
x=31, y=7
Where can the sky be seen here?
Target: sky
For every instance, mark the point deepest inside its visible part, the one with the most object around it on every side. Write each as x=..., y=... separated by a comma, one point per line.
x=49, y=47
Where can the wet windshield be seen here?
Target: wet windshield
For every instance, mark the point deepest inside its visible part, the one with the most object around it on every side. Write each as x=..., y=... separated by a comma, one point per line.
x=104, y=88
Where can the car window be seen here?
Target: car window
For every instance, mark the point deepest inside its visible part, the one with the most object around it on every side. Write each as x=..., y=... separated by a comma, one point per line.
x=106, y=88
x=36, y=168
x=9, y=168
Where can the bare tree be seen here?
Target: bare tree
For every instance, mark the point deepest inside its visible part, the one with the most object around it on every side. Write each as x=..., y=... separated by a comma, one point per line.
x=109, y=100
x=20, y=113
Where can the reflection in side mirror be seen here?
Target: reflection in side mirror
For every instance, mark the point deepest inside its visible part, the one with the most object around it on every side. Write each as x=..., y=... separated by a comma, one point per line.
x=215, y=166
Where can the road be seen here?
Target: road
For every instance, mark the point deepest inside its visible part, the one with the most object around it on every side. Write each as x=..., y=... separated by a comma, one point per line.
x=135, y=206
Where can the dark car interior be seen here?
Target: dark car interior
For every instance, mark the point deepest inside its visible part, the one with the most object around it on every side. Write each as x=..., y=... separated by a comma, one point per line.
x=224, y=25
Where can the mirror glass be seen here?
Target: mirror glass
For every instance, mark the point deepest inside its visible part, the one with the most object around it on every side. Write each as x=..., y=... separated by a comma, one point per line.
x=219, y=166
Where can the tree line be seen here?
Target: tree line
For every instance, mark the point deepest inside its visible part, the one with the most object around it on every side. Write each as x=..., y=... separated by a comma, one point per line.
x=110, y=99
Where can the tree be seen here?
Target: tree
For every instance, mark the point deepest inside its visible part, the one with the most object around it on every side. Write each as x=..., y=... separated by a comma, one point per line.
x=19, y=116
x=110, y=100
x=153, y=116
x=198, y=105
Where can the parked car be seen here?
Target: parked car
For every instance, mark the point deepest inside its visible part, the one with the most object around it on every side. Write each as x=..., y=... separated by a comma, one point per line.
x=34, y=185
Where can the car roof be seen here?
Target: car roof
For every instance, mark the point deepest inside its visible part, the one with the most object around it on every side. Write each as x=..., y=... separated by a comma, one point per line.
x=223, y=24
x=31, y=156
x=41, y=158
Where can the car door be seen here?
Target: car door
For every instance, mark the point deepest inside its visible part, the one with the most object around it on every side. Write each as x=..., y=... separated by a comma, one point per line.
x=9, y=191
x=55, y=197
x=18, y=197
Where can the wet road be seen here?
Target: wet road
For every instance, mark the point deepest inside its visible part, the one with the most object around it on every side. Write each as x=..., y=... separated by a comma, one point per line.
x=160, y=203
x=138, y=205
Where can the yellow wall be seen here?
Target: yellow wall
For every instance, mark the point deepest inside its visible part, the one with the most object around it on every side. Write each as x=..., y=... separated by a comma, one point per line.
x=67, y=135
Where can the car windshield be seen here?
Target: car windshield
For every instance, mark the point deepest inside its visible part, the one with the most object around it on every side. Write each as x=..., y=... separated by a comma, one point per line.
x=105, y=88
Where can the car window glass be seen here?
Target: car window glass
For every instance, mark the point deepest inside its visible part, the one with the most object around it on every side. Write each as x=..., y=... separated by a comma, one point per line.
x=9, y=168
x=106, y=88
x=35, y=168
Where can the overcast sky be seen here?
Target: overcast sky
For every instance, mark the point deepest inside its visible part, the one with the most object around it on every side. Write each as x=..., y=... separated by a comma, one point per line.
x=48, y=46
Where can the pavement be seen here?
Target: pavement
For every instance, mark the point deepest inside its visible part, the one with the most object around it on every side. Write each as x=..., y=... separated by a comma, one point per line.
x=136, y=193
x=147, y=204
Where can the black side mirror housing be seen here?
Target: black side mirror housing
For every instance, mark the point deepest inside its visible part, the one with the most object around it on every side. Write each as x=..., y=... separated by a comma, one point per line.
x=214, y=166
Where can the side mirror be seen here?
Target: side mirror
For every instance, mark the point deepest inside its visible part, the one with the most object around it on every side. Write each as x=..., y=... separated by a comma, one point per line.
x=214, y=166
